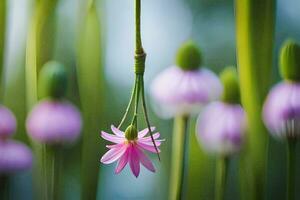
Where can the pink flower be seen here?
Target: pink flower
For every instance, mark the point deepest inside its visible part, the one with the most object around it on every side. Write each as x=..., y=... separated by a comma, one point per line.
x=54, y=122
x=129, y=148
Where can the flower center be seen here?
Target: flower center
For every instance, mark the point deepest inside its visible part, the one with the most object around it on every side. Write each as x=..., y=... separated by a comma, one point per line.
x=131, y=133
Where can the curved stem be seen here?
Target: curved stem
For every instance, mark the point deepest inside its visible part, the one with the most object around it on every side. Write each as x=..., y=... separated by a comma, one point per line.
x=221, y=176
x=291, y=159
x=146, y=116
x=179, y=158
x=133, y=93
x=137, y=97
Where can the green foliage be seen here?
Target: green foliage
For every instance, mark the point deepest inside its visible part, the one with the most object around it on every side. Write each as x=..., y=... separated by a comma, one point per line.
x=91, y=91
x=189, y=56
x=290, y=61
x=255, y=22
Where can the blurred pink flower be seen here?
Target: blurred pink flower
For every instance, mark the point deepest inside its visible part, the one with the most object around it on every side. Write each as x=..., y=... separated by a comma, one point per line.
x=14, y=157
x=182, y=92
x=130, y=151
x=281, y=112
x=7, y=122
x=54, y=122
x=221, y=127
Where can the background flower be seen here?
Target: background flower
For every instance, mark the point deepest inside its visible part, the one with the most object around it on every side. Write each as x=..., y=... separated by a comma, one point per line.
x=221, y=128
x=14, y=157
x=7, y=122
x=54, y=122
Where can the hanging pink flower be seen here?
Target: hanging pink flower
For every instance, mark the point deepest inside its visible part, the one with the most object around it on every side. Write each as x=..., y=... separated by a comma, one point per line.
x=129, y=148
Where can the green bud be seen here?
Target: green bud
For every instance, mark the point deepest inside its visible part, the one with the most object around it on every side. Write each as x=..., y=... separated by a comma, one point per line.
x=52, y=80
x=290, y=61
x=189, y=56
x=231, y=92
x=131, y=133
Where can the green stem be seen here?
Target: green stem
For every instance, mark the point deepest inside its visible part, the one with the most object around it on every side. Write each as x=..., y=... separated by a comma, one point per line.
x=138, y=40
x=2, y=43
x=255, y=24
x=221, y=176
x=146, y=116
x=179, y=158
x=137, y=97
x=52, y=177
x=133, y=94
x=4, y=186
x=291, y=164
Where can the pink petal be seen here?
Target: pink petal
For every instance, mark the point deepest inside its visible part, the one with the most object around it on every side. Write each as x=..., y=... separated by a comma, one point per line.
x=114, y=145
x=122, y=162
x=150, y=143
x=117, y=132
x=134, y=161
x=145, y=160
x=155, y=136
x=144, y=132
x=150, y=148
x=111, y=138
x=113, y=154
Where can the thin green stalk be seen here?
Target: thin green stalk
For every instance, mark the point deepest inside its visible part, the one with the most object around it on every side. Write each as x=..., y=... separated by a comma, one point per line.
x=2, y=43
x=133, y=94
x=4, y=187
x=52, y=160
x=138, y=40
x=137, y=97
x=221, y=178
x=147, y=118
x=291, y=168
x=178, y=165
x=255, y=24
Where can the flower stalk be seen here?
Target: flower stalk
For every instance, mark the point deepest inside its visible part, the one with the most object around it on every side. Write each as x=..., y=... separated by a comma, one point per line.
x=4, y=186
x=291, y=168
x=255, y=22
x=179, y=158
x=139, y=69
x=221, y=177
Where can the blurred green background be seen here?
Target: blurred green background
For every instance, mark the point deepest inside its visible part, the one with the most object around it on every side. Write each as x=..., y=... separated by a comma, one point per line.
x=165, y=25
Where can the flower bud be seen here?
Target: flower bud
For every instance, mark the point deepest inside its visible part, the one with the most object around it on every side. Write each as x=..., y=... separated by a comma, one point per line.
x=53, y=80
x=290, y=61
x=131, y=133
x=7, y=123
x=189, y=56
x=231, y=92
